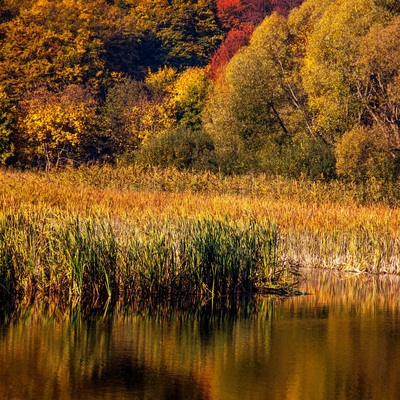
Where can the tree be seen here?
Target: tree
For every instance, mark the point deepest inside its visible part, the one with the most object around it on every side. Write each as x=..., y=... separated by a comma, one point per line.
x=182, y=148
x=331, y=74
x=234, y=14
x=251, y=104
x=116, y=117
x=258, y=76
x=55, y=44
x=303, y=20
x=161, y=81
x=283, y=7
x=258, y=111
x=239, y=19
x=134, y=112
x=59, y=127
x=363, y=154
x=176, y=33
x=378, y=87
x=233, y=41
x=187, y=97
x=149, y=119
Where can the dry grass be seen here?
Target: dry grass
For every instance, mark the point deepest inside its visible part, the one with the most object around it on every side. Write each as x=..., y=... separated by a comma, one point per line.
x=319, y=224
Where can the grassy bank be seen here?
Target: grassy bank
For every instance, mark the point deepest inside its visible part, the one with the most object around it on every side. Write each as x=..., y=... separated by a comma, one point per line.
x=96, y=231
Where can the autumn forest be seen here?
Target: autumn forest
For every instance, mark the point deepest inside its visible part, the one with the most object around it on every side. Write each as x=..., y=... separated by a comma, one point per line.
x=199, y=199
x=282, y=87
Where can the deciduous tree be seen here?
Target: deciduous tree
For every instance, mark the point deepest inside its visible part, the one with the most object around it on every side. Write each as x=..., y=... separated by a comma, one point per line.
x=176, y=33
x=330, y=72
x=234, y=40
x=251, y=104
x=187, y=97
x=363, y=154
x=59, y=127
x=379, y=77
x=58, y=43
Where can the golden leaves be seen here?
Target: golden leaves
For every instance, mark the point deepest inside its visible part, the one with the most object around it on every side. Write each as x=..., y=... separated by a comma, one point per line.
x=54, y=124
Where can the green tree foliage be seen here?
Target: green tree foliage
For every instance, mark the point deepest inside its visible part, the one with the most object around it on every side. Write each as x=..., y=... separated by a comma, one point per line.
x=245, y=108
x=261, y=102
x=217, y=121
x=330, y=72
x=350, y=74
x=183, y=148
x=256, y=76
x=176, y=33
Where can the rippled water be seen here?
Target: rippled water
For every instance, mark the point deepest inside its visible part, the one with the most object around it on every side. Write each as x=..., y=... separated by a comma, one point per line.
x=342, y=341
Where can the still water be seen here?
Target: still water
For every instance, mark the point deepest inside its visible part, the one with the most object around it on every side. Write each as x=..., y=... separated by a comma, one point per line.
x=342, y=341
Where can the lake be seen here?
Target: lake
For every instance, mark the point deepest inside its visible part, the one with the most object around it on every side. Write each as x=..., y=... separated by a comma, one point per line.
x=341, y=341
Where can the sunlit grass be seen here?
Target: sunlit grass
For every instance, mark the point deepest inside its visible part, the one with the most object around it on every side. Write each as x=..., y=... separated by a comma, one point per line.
x=97, y=257
x=54, y=226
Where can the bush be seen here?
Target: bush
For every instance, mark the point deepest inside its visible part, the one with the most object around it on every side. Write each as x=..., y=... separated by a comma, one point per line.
x=183, y=148
x=306, y=156
x=298, y=156
x=364, y=153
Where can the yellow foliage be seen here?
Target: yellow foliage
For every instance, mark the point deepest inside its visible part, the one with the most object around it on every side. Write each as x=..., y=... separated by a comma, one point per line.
x=187, y=96
x=55, y=124
x=150, y=120
x=364, y=153
x=161, y=80
x=330, y=73
x=54, y=43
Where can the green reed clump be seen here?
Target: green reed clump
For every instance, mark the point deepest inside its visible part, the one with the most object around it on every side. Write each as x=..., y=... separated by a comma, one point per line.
x=201, y=257
x=98, y=257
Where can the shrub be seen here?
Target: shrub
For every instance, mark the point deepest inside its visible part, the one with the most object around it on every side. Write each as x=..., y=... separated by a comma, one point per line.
x=364, y=153
x=183, y=148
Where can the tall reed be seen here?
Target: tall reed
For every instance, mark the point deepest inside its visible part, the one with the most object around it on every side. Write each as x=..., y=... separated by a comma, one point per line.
x=319, y=224
x=100, y=257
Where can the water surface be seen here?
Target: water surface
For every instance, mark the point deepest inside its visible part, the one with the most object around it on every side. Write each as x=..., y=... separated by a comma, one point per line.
x=342, y=341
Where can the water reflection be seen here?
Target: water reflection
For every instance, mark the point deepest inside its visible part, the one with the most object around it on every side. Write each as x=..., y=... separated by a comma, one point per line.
x=340, y=342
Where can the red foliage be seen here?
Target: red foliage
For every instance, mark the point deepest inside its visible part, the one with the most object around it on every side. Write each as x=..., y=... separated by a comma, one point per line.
x=239, y=18
x=234, y=40
x=283, y=7
x=234, y=13
x=254, y=11
x=229, y=13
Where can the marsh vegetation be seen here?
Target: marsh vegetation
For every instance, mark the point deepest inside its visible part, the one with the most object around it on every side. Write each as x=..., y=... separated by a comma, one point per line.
x=105, y=233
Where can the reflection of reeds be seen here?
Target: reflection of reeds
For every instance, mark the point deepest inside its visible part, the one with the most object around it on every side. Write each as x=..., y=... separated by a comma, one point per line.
x=97, y=257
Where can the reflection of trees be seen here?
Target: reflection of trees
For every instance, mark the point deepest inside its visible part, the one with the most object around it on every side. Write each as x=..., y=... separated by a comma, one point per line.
x=167, y=353
x=346, y=329
x=341, y=292
x=328, y=344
